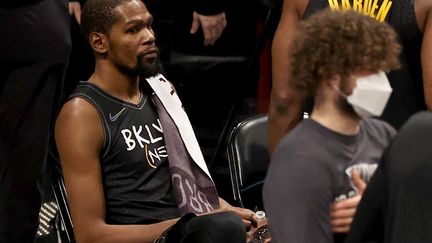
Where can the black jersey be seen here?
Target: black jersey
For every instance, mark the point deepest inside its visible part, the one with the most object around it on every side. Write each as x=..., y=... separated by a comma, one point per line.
x=407, y=82
x=134, y=163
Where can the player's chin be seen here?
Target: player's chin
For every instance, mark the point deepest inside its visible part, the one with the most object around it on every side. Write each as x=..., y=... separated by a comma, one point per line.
x=146, y=60
x=148, y=68
x=148, y=57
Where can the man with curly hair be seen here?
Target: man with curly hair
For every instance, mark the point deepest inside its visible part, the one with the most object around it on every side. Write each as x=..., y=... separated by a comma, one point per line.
x=411, y=83
x=339, y=58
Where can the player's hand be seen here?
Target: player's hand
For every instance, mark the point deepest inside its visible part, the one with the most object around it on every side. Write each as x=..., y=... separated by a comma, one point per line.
x=342, y=212
x=75, y=10
x=212, y=26
x=246, y=215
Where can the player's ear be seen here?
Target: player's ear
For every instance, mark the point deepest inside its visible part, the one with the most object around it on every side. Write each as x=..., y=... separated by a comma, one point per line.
x=99, y=42
x=333, y=81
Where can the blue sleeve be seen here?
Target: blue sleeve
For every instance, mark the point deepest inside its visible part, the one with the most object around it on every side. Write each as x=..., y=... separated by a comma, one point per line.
x=297, y=195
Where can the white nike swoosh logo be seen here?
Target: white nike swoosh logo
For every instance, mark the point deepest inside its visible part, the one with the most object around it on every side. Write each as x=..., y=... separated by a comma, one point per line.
x=114, y=118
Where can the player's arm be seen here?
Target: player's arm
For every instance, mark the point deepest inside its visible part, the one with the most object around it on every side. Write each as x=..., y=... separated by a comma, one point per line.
x=285, y=102
x=424, y=19
x=79, y=137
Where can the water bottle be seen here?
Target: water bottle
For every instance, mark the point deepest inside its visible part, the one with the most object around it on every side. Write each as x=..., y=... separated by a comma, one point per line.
x=262, y=232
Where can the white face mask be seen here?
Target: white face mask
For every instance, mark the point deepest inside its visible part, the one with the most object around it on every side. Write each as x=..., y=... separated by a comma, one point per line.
x=370, y=95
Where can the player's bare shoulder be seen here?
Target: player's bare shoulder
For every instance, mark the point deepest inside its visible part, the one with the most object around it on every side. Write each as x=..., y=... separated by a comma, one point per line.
x=296, y=7
x=76, y=109
x=79, y=118
x=423, y=11
x=301, y=7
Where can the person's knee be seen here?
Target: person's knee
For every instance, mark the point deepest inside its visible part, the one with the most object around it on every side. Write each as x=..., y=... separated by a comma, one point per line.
x=220, y=227
x=228, y=222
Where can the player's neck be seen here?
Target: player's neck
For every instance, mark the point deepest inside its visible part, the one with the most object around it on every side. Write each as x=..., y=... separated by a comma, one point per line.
x=116, y=83
x=335, y=119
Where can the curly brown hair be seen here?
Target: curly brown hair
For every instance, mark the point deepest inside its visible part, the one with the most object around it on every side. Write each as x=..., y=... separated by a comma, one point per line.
x=340, y=43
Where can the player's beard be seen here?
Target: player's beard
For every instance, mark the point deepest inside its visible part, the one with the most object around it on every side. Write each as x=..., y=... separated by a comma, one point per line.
x=148, y=69
x=144, y=68
x=342, y=102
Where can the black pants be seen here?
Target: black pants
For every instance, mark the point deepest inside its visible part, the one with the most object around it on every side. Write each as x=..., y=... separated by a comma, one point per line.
x=396, y=206
x=34, y=48
x=212, y=228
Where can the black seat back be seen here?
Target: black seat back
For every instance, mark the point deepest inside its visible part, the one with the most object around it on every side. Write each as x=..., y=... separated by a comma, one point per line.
x=248, y=159
x=61, y=199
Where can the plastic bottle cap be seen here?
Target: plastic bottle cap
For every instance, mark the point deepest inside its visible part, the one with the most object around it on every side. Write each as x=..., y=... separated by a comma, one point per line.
x=260, y=214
